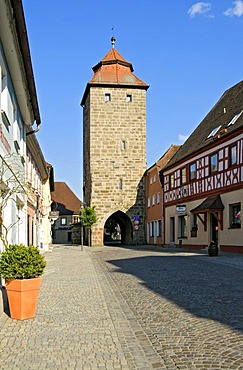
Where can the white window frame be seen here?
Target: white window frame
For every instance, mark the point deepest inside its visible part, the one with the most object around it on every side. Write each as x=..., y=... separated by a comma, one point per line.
x=153, y=200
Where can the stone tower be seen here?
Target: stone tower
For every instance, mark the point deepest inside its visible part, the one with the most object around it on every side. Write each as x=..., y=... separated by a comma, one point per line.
x=114, y=147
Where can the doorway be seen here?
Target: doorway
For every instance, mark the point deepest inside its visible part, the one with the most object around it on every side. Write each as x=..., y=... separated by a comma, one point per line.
x=172, y=229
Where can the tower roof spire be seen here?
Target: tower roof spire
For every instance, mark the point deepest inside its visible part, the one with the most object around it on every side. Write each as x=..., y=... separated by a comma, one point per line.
x=113, y=41
x=114, y=70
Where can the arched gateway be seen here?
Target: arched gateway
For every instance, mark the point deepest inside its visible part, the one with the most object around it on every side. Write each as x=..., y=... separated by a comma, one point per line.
x=118, y=228
x=114, y=146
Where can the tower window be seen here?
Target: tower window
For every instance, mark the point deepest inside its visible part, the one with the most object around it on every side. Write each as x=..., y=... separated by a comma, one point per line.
x=120, y=184
x=129, y=98
x=107, y=97
x=123, y=144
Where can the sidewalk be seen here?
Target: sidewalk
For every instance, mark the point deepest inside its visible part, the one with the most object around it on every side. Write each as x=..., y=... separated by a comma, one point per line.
x=230, y=259
x=93, y=315
x=72, y=328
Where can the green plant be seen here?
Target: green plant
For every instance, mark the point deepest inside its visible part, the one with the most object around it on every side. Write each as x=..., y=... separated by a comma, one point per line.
x=21, y=262
x=88, y=217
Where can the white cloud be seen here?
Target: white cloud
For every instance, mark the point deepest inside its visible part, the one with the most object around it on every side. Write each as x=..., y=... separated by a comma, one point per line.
x=236, y=10
x=182, y=137
x=199, y=8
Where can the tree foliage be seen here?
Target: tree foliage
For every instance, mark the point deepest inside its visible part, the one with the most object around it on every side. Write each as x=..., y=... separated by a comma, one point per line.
x=88, y=217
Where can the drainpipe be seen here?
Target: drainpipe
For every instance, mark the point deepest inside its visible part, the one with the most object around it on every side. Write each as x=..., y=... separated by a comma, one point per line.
x=34, y=131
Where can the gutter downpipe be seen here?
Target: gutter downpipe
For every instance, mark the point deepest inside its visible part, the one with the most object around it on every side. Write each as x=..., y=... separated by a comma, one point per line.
x=34, y=131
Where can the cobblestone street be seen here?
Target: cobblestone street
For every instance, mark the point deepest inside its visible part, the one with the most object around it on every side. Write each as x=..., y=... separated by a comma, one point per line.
x=131, y=308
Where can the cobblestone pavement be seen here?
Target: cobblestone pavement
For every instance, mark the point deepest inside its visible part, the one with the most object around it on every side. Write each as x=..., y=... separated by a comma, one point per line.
x=131, y=308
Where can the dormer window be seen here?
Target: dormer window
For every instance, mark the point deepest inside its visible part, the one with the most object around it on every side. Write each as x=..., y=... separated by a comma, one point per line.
x=232, y=122
x=214, y=132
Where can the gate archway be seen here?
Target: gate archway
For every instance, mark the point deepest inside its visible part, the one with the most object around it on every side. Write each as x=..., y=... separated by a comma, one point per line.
x=118, y=229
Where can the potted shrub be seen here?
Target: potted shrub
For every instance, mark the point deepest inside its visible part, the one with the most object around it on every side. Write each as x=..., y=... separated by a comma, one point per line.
x=22, y=266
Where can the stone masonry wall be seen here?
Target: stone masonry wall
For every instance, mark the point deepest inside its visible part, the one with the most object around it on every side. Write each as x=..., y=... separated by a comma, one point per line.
x=116, y=161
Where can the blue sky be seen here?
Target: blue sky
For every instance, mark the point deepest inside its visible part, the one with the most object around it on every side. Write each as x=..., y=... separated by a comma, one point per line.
x=188, y=52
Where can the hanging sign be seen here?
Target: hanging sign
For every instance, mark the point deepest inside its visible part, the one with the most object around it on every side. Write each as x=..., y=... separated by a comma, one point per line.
x=181, y=209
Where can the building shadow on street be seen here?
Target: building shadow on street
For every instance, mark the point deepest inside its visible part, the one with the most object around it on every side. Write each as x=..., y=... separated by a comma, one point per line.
x=207, y=290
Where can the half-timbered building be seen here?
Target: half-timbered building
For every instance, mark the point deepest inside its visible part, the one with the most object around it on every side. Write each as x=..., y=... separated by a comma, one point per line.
x=203, y=183
x=154, y=199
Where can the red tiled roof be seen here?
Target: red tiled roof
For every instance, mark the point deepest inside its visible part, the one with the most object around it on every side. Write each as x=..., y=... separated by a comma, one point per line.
x=114, y=69
x=166, y=157
x=114, y=55
x=67, y=201
x=228, y=106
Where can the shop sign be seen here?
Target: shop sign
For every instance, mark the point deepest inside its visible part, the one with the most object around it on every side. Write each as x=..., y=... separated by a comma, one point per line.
x=180, y=209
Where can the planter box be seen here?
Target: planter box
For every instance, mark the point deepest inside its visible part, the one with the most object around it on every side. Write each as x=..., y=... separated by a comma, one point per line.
x=22, y=297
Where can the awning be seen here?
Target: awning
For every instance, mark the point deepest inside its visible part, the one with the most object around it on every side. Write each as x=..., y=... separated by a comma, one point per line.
x=212, y=204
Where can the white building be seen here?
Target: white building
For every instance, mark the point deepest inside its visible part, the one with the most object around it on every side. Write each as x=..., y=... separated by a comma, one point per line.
x=26, y=180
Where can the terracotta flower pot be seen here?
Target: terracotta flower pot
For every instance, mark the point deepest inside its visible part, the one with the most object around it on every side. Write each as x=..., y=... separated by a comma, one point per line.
x=22, y=297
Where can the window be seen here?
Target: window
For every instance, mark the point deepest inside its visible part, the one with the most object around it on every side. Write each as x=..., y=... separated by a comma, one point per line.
x=148, y=202
x=129, y=98
x=193, y=173
x=159, y=228
x=63, y=221
x=172, y=181
x=123, y=144
x=233, y=158
x=5, y=119
x=120, y=184
x=183, y=175
x=235, y=119
x=182, y=227
x=75, y=219
x=3, y=91
x=194, y=227
x=151, y=229
x=158, y=197
x=213, y=159
x=154, y=178
x=151, y=180
x=193, y=220
x=153, y=200
x=213, y=132
x=107, y=97
x=235, y=216
x=152, y=224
